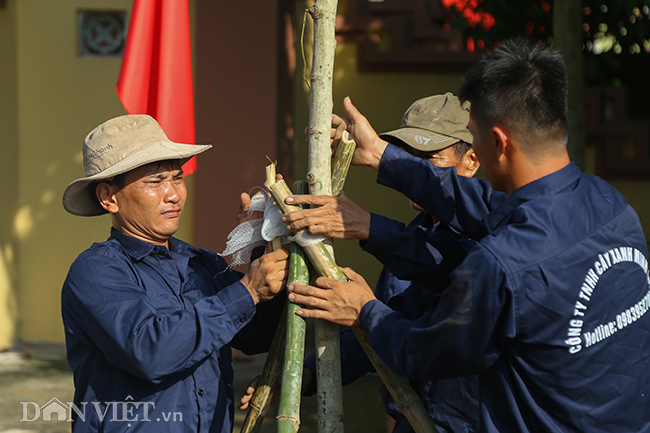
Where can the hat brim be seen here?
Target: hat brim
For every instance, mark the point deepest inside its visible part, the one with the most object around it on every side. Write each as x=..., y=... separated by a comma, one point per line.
x=420, y=139
x=79, y=199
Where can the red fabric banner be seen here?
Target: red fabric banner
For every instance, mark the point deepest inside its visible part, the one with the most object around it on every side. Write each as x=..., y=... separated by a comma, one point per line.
x=156, y=74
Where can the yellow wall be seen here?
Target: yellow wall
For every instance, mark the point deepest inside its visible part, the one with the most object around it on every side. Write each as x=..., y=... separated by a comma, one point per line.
x=8, y=175
x=51, y=98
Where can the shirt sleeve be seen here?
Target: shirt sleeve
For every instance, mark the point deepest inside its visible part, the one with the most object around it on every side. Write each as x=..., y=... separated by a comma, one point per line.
x=462, y=336
x=413, y=253
x=459, y=201
x=150, y=335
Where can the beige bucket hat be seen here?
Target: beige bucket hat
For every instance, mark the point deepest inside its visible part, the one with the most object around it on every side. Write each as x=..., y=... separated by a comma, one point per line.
x=116, y=146
x=433, y=123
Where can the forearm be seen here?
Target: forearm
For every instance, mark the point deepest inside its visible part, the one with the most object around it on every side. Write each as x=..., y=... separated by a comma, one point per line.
x=461, y=202
x=460, y=337
x=414, y=253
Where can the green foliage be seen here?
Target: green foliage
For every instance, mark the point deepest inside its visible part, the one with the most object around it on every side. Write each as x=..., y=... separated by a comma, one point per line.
x=616, y=36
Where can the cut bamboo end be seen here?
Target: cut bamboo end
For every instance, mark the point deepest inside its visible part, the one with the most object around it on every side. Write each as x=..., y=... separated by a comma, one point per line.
x=280, y=191
x=341, y=163
x=270, y=174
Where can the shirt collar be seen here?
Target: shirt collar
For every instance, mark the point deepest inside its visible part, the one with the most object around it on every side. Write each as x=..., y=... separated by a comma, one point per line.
x=138, y=249
x=548, y=185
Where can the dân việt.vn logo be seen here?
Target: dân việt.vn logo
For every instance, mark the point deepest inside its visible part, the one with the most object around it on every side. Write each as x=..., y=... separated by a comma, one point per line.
x=115, y=411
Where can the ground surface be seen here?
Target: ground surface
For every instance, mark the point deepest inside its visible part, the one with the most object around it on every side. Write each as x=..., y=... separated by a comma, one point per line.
x=39, y=373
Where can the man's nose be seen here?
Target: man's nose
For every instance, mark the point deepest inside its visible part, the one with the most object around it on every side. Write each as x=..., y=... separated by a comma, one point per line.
x=172, y=192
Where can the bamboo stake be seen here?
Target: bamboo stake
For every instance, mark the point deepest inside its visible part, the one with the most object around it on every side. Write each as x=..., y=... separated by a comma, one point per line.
x=341, y=163
x=294, y=354
x=328, y=359
x=261, y=399
x=402, y=392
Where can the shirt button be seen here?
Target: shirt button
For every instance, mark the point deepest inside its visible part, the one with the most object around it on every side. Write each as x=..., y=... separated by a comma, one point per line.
x=201, y=391
x=242, y=319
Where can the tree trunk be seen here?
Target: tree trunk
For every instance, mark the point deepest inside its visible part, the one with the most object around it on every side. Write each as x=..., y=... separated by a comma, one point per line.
x=328, y=359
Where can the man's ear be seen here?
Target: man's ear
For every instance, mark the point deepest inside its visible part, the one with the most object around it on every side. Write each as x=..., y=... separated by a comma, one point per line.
x=106, y=195
x=469, y=163
x=501, y=141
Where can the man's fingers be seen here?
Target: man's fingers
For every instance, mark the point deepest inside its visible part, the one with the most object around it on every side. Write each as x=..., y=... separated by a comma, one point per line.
x=319, y=200
x=307, y=291
x=245, y=201
x=327, y=283
x=351, y=110
x=276, y=256
x=313, y=314
x=246, y=398
x=352, y=274
x=339, y=123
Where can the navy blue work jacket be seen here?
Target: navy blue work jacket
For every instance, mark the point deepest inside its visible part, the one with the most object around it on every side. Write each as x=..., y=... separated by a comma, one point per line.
x=549, y=308
x=149, y=334
x=428, y=252
x=411, y=251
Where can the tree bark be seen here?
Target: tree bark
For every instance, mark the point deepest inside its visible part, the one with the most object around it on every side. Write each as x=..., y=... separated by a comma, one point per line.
x=328, y=359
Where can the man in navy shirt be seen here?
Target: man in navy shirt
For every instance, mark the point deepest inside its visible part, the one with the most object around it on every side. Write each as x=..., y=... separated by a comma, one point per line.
x=550, y=307
x=434, y=129
x=149, y=319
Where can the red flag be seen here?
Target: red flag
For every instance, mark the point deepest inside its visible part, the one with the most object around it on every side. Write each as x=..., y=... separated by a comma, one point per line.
x=156, y=74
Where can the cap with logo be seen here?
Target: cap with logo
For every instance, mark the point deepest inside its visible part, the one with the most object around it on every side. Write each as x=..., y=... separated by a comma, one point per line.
x=115, y=147
x=432, y=123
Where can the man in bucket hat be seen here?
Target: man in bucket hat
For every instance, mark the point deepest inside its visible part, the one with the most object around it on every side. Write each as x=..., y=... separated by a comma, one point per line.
x=149, y=319
x=417, y=258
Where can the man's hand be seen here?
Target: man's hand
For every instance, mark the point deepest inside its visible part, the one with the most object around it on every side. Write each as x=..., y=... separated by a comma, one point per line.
x=267, y=275
x=245, y=203
x=245, y=400
x=337, y=218
x=370, y=147
x=336, y=301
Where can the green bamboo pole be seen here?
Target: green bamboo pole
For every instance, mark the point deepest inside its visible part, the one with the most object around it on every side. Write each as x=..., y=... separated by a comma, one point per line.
x=401, y=391
x=294, y=352
x=261, y=400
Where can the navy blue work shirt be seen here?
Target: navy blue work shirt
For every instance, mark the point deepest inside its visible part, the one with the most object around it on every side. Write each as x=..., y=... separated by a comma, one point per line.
x=426, y=252
x=422, y=251
x=549, y=308
x=149, y=334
